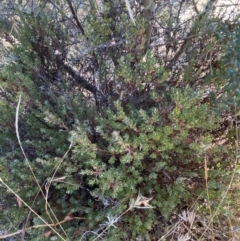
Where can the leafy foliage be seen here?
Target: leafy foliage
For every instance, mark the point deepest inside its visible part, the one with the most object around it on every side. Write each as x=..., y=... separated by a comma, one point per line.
x=116, y=130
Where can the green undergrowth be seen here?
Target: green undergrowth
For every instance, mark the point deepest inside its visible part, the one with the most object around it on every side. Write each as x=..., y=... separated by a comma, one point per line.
x=73, y=167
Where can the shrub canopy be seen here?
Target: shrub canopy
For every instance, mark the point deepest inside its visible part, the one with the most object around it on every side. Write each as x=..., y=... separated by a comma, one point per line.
x=121, y=106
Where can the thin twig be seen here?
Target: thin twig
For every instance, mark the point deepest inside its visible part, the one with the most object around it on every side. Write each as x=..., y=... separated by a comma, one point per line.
x=75, y=17
x=33, y=211
x=28, y=163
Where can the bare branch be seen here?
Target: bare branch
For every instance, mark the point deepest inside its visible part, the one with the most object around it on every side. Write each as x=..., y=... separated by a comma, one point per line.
x=75, y=17
x=84, y=83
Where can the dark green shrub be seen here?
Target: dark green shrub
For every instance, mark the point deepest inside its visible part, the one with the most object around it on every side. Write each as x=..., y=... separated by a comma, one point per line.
x=105, y=130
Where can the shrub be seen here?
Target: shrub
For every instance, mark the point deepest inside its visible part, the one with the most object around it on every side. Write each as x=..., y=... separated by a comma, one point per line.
x=116, y=135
